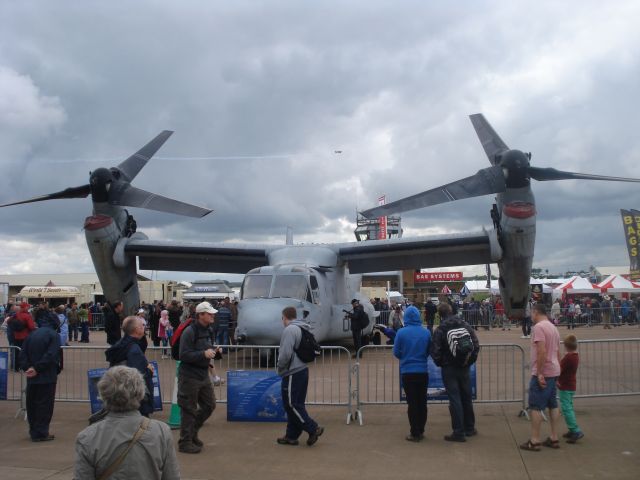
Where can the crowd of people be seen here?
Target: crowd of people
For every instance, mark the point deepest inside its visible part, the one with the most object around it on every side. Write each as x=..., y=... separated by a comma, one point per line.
x=442, y=332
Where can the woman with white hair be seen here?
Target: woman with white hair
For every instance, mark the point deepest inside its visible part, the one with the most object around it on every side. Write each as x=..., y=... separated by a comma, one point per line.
x=125, y=444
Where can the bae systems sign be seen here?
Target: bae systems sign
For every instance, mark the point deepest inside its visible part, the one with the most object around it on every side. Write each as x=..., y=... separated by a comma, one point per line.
x=437, y=277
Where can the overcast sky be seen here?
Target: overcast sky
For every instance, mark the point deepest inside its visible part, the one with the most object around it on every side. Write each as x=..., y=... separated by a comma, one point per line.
x=271, y=90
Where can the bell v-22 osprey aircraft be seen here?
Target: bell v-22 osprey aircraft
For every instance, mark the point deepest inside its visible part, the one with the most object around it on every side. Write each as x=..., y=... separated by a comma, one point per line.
x=320, y=279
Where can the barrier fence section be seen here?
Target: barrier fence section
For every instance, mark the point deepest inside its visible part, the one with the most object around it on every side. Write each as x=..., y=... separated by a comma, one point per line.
x=608, y=368
x=500, y=376
x=329, y=374
x=97, y=321
x=15, y=378
x=16, y=386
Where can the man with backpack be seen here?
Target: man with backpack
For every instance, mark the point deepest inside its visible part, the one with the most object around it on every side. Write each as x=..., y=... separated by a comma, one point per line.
x=455, y=348
x=295, y=379
x=196, y=397
x=127, y=352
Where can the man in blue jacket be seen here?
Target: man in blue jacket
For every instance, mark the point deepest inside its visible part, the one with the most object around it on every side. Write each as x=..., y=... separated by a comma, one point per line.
x=411, y=347
x=41, y=361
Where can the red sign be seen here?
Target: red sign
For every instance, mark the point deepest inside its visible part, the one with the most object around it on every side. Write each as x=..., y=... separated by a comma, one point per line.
x=438, y=277
x=382, y=221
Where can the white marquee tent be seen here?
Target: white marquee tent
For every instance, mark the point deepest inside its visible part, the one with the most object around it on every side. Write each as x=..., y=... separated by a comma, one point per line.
x=618, y=284
x=575, y=285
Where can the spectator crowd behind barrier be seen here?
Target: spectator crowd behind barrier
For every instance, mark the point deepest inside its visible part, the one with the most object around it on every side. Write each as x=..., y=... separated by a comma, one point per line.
x=608, y=368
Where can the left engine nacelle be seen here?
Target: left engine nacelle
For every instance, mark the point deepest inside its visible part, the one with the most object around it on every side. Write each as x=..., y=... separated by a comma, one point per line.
x=118, y=283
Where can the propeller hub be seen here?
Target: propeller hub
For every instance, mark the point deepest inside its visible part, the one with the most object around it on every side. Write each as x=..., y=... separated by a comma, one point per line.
x=515, y=165
x=100, y=181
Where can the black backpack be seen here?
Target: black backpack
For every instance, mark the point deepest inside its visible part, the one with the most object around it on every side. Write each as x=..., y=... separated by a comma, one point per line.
x=308, y=349
x=16, y=324
x=460, y=345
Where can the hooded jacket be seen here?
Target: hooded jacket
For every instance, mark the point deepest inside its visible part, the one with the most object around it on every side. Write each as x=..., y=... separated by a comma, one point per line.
x=411, y=345
x=25, y=317
x=288, y=361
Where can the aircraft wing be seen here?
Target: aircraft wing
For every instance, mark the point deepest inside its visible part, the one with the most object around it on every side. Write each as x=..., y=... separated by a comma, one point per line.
x=421, y=252
x=197, y=257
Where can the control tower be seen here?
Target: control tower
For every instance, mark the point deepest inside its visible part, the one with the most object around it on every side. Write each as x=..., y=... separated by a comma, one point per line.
x=377, y=228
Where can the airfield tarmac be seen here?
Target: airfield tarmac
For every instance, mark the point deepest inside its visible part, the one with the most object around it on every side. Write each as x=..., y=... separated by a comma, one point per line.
x=610, y=449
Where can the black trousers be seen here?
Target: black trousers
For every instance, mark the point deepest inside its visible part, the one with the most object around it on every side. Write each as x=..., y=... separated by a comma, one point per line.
x=197, y=401
x=457, y=382
x=40, y=400
x=415, y=388
x=357, y=338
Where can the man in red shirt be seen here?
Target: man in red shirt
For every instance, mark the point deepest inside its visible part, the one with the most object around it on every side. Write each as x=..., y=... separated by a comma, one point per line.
x=545, y=369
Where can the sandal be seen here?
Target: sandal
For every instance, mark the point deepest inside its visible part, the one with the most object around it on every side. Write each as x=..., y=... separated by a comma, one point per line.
x=529, y=445
x=551, y=443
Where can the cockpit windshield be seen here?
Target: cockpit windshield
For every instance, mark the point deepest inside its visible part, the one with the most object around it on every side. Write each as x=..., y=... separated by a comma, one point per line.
x=291, y=286
x=256, y=286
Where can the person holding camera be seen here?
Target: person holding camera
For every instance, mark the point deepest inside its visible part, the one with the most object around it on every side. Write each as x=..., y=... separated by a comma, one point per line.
x=359, y=321
x=196, y=397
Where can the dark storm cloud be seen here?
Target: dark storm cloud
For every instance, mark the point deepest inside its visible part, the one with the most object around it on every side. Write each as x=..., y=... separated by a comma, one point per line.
x=389, y=84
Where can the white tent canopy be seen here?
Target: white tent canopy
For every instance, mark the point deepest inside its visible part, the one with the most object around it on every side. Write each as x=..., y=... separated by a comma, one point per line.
x=575, y=285
x=617, y=284
x=480, y=286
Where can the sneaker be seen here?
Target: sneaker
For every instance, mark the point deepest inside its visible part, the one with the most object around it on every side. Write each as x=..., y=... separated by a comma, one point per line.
x=575, y=436
x=471, y=433
x=454, y=438
x=411, y=438
x=189, y=448
x=313, y=438
x=286, y=441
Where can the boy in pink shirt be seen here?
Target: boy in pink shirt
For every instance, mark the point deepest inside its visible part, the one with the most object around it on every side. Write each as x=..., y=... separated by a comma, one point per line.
x=545, y=369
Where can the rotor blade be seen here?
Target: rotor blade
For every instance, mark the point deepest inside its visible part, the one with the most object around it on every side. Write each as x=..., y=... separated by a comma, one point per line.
x=486, y=181
x=132, y=165
x=547, y=174
x=72, y=192
x=490, y=140
x=135, y=197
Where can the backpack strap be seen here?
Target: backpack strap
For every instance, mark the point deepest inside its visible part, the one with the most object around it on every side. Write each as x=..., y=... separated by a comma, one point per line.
x=144, y=425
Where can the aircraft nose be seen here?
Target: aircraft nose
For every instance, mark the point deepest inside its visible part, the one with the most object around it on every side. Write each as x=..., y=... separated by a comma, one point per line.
x=260, y=320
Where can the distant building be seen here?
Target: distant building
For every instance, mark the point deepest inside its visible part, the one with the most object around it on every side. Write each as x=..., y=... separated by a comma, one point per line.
x=77, y=287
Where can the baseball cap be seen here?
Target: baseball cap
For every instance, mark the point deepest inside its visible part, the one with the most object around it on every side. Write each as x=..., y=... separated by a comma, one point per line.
x=205, y=307
x=355, y=300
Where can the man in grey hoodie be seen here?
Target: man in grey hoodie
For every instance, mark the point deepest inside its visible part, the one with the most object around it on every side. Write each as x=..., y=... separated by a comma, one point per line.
x=295, y=379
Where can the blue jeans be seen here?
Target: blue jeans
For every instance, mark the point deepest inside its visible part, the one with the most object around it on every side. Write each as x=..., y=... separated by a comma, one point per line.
x=294, y=394
x=222, y=336
x=457, y=382
x=542, y=398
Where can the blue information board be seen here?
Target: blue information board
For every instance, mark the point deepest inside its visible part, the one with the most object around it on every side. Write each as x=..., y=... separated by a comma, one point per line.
x=95, y=375
x=254, y=396
x=4, y=374
x=435, y=388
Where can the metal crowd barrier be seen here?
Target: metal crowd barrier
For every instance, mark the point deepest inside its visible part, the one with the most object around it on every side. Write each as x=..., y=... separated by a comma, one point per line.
x=329, y=375
x=97, y=321
x=500, y=376
x=596, y=316
x=15, y=379
x=608, y=368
